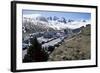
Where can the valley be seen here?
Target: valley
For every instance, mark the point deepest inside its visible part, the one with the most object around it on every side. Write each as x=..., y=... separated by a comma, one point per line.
x=55, y=40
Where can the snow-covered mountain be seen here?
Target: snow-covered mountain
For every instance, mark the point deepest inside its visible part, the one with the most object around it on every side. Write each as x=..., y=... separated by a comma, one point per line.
x=70, y=25
x=38, y=22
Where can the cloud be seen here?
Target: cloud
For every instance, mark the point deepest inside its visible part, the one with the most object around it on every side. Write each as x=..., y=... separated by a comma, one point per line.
x=31, y=15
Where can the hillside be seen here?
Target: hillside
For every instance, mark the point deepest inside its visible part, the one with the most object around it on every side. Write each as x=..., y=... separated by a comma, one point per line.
x=74, y=48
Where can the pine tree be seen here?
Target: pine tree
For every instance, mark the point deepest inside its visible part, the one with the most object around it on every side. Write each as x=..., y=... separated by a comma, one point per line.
x=35, y=52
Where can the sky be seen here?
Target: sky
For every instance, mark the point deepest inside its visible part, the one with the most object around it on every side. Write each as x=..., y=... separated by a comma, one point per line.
x=67, y=15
